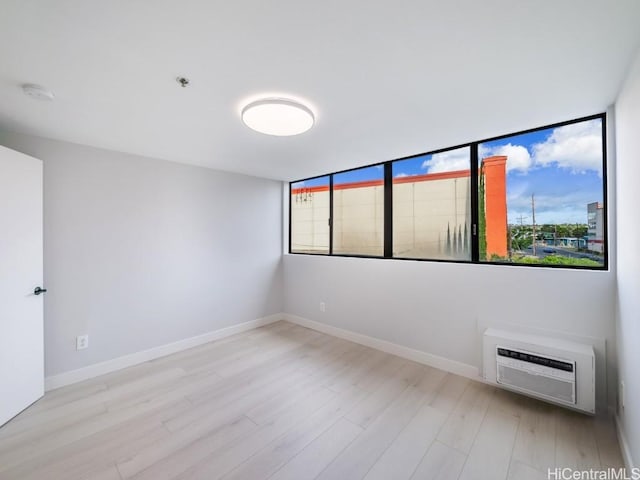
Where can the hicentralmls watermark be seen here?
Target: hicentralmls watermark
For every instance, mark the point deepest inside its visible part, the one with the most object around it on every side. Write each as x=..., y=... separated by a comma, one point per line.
x=592, y=474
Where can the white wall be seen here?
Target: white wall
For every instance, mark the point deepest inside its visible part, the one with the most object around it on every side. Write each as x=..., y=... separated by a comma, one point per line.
x=442, y=308
x=628, y=298
x=141, y=252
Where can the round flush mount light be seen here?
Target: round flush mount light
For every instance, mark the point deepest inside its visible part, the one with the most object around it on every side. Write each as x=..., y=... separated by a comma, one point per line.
x=278, y=116
x=36, y=91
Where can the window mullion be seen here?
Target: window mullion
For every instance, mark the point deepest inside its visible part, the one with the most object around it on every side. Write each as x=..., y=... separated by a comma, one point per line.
x=330, y=214
x=388, y=211
x=473, y=186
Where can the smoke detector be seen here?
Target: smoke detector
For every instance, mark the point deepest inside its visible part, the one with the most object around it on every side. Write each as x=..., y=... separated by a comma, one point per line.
x=183, y=81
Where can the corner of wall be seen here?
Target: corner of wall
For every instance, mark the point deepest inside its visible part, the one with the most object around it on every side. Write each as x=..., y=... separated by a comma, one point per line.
x=624, y=445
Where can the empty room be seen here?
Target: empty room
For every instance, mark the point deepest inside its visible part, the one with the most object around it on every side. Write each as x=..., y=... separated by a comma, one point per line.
x=330, y=240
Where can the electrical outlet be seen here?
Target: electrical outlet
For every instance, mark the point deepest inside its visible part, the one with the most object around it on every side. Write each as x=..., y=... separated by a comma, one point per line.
x=82, y=342
x=323, y=307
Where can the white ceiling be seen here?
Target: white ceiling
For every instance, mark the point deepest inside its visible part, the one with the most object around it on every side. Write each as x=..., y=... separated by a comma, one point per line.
x=386, y=79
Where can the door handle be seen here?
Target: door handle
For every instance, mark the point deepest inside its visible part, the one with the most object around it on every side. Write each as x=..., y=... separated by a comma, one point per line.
x=39, y=290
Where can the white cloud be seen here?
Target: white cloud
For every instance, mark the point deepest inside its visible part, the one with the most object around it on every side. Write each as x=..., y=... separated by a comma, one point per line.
x=483, y=151
x=518, y=157
x=402, y=175
x=577, y=147
x=449, y=161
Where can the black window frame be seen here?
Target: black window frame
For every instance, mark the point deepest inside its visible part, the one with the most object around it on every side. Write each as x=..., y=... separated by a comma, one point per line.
x=473, y=185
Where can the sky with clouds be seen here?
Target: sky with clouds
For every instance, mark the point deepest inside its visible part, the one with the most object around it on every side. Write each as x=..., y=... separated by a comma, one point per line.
x=561, y=167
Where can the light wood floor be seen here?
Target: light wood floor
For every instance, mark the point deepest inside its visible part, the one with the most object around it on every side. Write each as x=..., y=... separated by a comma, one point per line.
x=285, y=402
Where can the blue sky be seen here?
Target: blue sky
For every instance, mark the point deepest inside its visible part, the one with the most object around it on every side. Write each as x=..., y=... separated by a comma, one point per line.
x=314, y=182
x=359, y=175
x=561, y=167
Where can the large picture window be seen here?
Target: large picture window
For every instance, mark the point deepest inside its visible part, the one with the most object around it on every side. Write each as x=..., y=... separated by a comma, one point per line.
x=539, y=196
x=531, y=198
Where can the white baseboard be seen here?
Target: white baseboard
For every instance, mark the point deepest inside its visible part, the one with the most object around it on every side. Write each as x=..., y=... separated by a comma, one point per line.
x=419, y=356
x=97, y=369
x=624, y=446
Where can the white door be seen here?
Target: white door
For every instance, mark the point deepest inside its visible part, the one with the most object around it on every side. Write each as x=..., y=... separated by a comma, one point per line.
x=21, y=310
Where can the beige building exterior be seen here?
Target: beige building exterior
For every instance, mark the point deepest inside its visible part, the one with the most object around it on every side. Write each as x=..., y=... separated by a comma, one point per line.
x=431, y=215
x=310, y=215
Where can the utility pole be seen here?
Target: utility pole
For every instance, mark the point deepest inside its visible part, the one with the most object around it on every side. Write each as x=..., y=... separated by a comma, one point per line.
x=533, y=219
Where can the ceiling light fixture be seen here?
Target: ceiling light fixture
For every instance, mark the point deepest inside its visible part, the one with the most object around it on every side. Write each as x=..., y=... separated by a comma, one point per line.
x=278, y=116
x=36, y=91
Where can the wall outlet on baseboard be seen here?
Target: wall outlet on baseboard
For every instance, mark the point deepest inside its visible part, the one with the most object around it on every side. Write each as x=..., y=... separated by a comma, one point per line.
x=82, y=342
x=323, y=307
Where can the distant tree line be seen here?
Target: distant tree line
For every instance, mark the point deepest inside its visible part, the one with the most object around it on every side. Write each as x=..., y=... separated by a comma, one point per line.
x=521, y=235
x=572, y=230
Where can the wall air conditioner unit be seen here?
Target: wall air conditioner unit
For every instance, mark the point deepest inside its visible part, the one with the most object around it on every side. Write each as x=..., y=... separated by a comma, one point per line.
x=550, y=369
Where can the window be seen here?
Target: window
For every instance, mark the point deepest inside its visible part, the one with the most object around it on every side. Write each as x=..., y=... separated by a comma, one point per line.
x=358, y=211
x=532, y=198
x=432, y=206
x=310, y=216
x=540, y=196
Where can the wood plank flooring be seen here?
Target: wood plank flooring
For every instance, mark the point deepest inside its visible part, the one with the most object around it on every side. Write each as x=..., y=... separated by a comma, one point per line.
x=285, y=402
